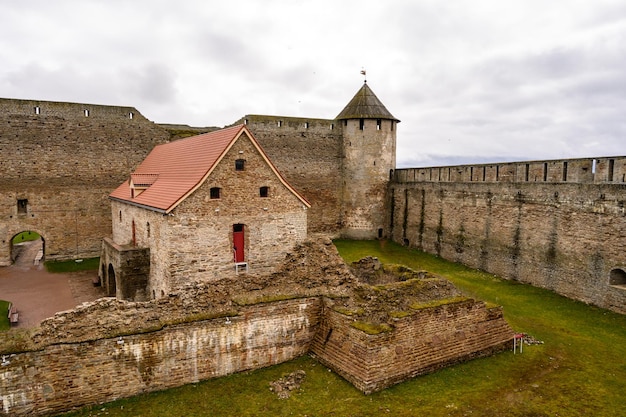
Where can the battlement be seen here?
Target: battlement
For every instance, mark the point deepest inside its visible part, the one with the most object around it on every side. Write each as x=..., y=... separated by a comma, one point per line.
x=611, y=169
x=63, y=110
x=293, y=123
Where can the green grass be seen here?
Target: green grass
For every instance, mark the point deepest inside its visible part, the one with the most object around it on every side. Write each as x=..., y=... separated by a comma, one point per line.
x=25, y=237
x=4, y=318
x=89, y=264
x=579, y=371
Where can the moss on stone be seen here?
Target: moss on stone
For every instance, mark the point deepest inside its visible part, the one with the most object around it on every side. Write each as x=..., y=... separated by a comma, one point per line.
x=371, y=328
x=437, y=303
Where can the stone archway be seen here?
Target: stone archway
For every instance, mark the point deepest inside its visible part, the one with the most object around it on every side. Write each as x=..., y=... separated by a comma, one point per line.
x=27, y=248
x=617, y=277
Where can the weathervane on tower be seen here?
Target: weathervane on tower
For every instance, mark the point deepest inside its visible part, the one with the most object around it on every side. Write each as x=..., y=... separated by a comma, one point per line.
x=364, y=73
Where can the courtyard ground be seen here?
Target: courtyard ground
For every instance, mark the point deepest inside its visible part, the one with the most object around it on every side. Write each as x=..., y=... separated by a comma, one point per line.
x=38, y=294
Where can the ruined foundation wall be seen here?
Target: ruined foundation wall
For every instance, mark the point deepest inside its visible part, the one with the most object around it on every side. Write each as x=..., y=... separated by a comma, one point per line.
x=423, y=342
x=72, y=375
x=565, y=236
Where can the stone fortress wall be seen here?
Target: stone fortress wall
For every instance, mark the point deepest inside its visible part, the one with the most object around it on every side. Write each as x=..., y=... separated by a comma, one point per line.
x=557, y=224
x=58, y=163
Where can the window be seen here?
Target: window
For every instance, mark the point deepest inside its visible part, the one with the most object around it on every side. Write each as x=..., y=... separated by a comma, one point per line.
x=22, y=206
x=131, y=115
x=378, y=123
x=264, y=191
x=86, y=112
x=215, y=193
x=37, y=110
x=361, y=124
x=239, y=164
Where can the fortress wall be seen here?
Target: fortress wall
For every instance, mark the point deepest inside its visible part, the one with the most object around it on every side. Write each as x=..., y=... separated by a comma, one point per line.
x=567, y=237
x=72, y=219
x=610, y=169
x=64, y=163
x=71, y=375
x=427, y=340
x=308, y=153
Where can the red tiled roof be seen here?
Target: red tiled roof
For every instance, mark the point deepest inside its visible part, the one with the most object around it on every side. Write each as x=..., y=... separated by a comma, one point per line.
x=172, y=171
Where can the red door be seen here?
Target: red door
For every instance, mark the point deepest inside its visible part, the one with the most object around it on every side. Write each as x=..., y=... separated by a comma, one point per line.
x=238, y=243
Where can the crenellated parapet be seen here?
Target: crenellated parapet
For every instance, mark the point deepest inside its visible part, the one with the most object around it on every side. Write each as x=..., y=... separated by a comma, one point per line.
x=610, y=169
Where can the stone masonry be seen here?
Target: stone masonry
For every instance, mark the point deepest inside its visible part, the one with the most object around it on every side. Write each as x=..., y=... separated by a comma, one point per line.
x=110, y=349
x=560, y=225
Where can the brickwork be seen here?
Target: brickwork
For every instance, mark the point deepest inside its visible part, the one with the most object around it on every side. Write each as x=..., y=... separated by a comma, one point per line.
x=423, y=342
x=110, y=348
x=564, y=236
x=90, y=372
x=63, y=162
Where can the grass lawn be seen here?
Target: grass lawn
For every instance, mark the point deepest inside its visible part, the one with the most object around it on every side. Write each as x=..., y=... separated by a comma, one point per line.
x=25, y=237
x=89, y=264
x=580, y=370
x=4, y=316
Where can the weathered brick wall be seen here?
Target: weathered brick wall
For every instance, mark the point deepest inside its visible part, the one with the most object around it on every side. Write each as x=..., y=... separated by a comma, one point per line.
x=63, y=376
x=563, y=236
x=308, y=152
x=195, y=242
x=64, y=164
x=423, y=342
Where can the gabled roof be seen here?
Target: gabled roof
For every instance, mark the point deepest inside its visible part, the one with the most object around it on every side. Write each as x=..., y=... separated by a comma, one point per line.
x=172, y=171
x=365, y=105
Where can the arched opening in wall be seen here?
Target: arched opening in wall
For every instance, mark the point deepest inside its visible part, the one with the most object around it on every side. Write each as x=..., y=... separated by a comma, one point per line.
x=618, y=277
x=27, y=248
x=110, y=282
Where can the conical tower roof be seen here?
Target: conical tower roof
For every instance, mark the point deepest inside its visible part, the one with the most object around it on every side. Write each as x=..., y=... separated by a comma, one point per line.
x=365, y=105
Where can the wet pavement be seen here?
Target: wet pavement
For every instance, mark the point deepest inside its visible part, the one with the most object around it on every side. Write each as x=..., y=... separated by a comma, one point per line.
x=38, y=294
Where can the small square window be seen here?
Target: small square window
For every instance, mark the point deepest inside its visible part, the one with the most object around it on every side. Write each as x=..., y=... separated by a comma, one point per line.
x=264, y=191
x=22, y=206
x=215, y=193
x=240, y=164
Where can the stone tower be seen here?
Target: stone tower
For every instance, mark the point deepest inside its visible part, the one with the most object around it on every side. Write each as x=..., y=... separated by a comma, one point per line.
x=369, y=146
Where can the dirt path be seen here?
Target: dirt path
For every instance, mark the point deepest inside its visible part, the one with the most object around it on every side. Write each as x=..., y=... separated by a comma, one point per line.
x=38, y=294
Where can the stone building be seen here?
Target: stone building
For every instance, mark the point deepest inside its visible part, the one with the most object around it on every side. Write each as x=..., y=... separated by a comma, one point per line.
x=198, y=209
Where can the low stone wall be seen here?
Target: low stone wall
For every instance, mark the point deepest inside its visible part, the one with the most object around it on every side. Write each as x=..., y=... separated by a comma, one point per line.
x=63, y=376
x=111, y=349
x=429, y=339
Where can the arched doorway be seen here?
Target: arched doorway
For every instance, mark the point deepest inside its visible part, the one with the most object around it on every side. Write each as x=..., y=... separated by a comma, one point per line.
x=617, y=277
x=110, y=288
x=27, y=248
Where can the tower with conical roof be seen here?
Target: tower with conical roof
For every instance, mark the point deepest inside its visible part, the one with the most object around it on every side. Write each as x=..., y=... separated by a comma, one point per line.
x=369, y=135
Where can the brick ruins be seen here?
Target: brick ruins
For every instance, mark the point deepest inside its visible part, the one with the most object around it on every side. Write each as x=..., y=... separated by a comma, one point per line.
x=314, y=304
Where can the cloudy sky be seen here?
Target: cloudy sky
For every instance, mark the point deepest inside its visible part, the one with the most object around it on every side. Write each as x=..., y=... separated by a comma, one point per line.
x=472, y=81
